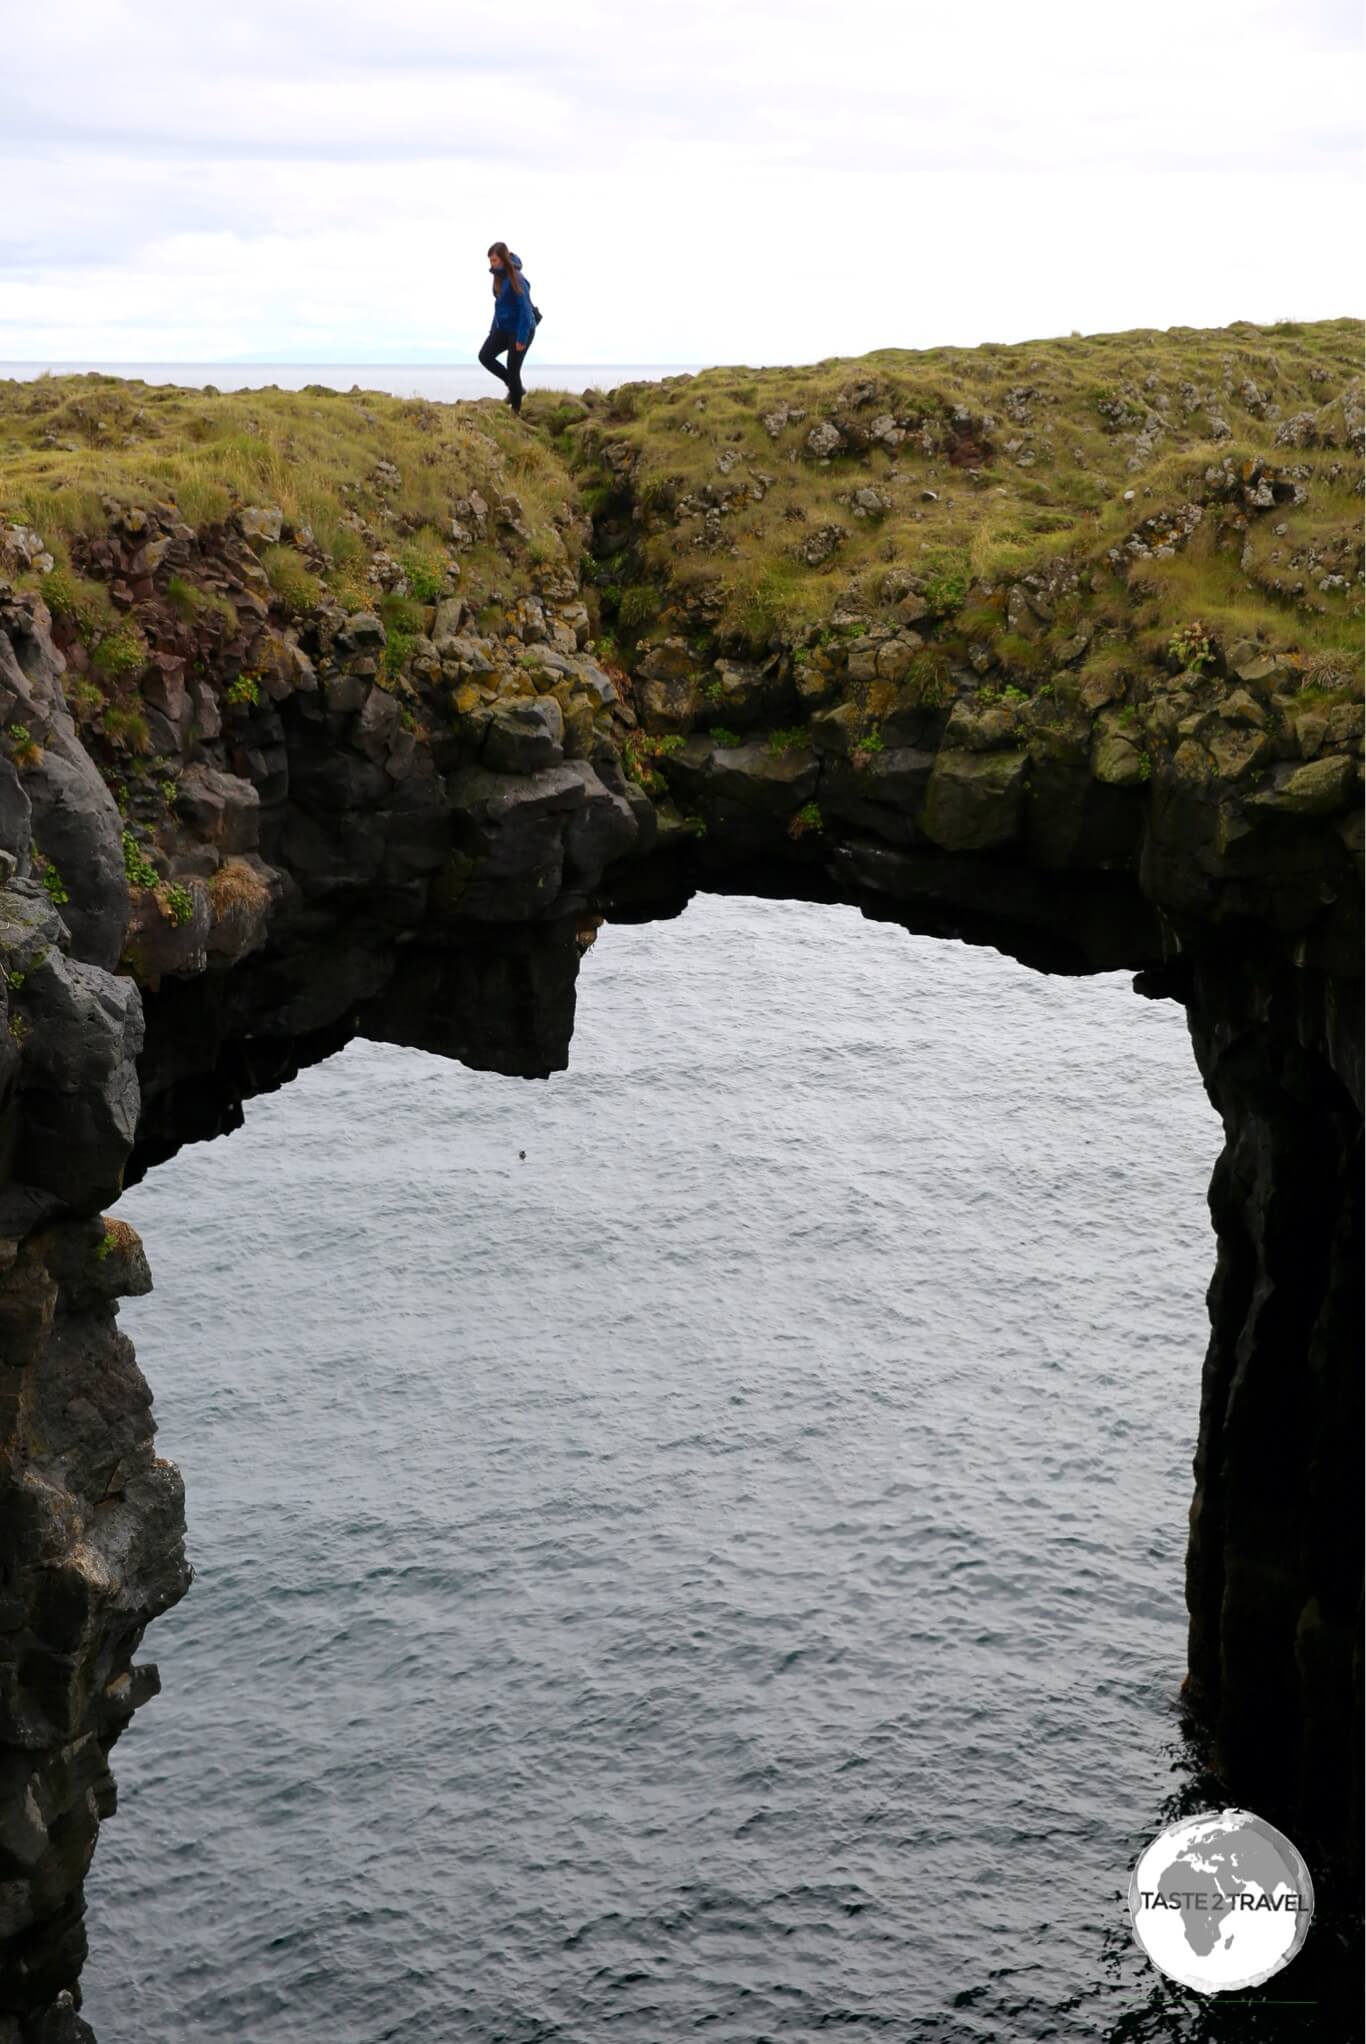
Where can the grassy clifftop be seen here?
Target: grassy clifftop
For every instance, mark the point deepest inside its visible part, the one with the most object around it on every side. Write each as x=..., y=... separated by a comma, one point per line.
x=373, y=490
x=770, y=498
x=1137, y=556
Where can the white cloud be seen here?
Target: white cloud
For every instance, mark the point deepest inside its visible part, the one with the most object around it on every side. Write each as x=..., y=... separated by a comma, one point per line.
x=759, y=180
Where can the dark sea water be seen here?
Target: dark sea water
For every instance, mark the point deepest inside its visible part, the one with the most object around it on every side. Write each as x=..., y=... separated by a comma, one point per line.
x=716, y=1576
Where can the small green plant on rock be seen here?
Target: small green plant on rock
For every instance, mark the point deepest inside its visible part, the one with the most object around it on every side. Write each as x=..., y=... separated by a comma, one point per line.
x=121, y=653
x=84, y=699
x=788, y=740
x=398, y=649
x=424, y=570
x=722, y=735
x=244, y=692
x=945, y=582
x=637, y=770
x=807, y=818
x=136, y=865
x=51, y=878
x=870, y=743
x=1192, y=646
x=176, y=903
x=22, y=747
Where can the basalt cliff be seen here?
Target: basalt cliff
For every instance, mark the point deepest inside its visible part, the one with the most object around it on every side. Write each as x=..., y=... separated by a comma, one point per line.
x=324, y=714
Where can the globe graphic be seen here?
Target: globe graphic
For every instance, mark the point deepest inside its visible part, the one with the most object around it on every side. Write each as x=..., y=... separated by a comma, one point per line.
x=1221, y=1901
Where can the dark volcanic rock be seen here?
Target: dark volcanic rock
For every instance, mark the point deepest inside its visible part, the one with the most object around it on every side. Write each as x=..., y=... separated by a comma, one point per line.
x=72, y=820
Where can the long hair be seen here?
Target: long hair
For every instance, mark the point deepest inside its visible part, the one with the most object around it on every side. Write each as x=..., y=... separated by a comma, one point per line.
x=500, y=248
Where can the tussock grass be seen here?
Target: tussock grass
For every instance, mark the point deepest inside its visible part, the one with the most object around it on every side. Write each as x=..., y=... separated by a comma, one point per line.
x=1015, y=456
x=70, y=445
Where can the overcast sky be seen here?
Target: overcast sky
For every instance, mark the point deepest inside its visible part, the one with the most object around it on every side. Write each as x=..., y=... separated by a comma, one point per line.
x=726, y=181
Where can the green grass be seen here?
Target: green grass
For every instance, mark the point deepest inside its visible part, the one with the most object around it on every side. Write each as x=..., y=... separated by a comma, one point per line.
x=126, y=727
x=68, y=443
x=703, y=514
x=121, y=653
x=296, y=589
x=964, y=513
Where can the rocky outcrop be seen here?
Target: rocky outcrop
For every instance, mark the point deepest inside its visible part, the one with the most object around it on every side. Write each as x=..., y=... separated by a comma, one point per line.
x=278, y=820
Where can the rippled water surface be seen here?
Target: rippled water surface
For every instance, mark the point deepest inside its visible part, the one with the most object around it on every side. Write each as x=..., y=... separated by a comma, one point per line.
x=715, y=1574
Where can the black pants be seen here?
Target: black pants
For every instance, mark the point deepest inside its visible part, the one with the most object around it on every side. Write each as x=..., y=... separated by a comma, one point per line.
x=502, y=344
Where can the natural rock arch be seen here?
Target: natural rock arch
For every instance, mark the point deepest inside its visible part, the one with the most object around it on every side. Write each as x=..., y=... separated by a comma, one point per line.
x=328, y=869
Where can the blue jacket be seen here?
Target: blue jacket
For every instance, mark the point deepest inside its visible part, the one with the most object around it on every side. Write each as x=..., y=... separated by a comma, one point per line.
x=512, y=313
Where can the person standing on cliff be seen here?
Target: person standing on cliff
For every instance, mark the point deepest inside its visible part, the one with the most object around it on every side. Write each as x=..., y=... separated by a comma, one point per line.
x=514, y=321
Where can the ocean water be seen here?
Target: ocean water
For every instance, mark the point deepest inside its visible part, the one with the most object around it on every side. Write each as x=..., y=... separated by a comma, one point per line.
x=444, y=383
x=689, y=1549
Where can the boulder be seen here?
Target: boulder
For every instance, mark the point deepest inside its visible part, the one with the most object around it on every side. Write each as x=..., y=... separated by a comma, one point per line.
x=741, y=694
x=523, y=736
x=1239, y=749
x=1316, y=789
x=380, y=726
x=222, y=809
x=988, y=727
x=362, y=633
x=756, y=778
x=520, y=838
x=882, y=793
x=169, y=930
x=260, y=524
x=975, y=799
x=668, y=692
x=602, y=830
x=824, y=440
x=79, y=1089
x=834, y=730
x=344, y=694
x=821, y=544
x=1117, y=755
x=816, y=679
x=16, y=813
x=73, y=818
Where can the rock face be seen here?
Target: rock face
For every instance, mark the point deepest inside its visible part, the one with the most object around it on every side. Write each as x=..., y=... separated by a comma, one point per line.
x=324, y=845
